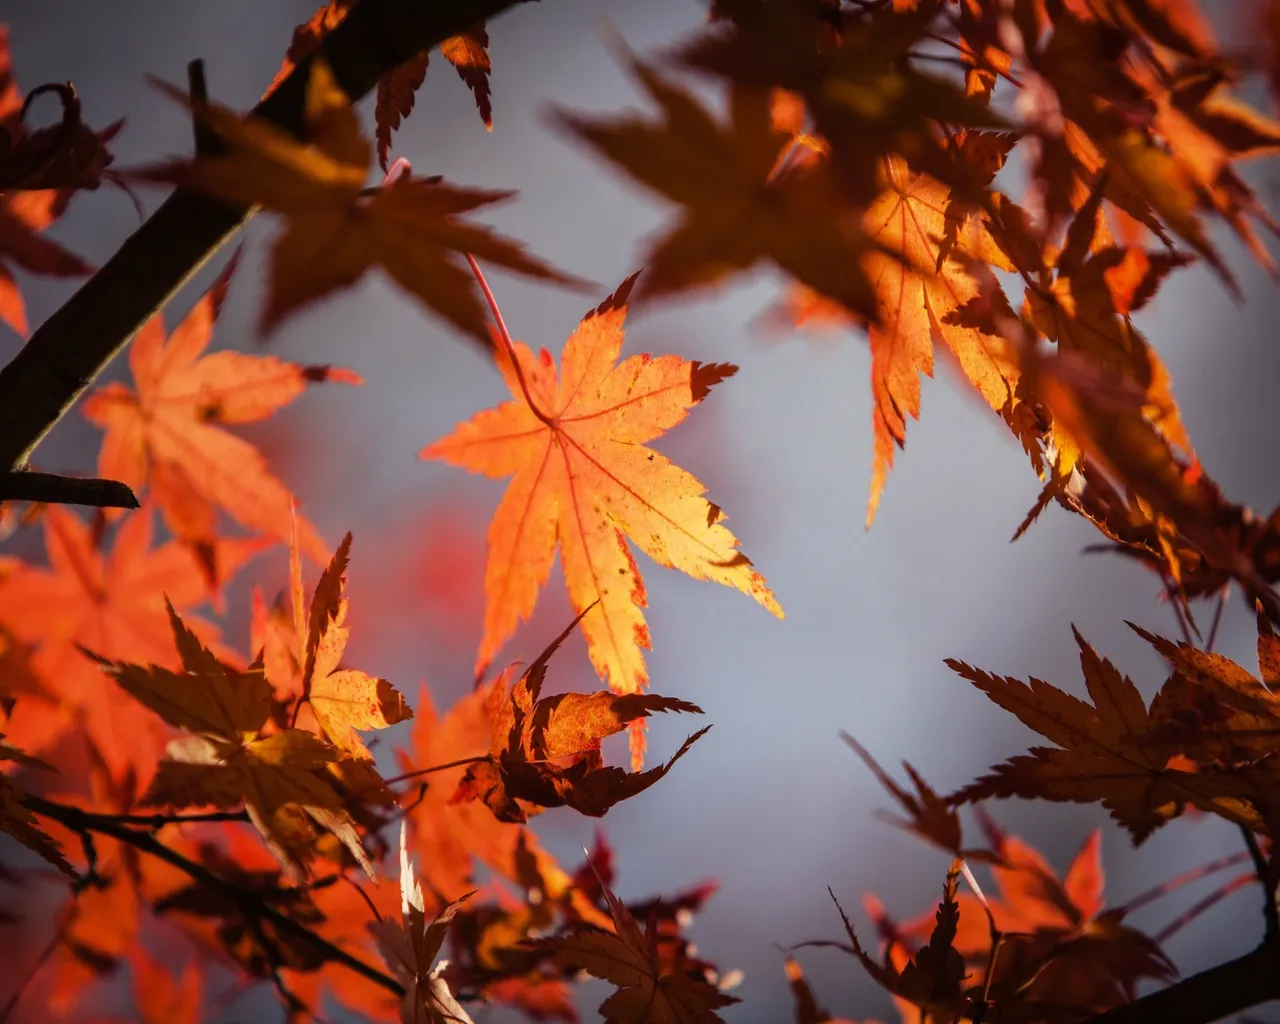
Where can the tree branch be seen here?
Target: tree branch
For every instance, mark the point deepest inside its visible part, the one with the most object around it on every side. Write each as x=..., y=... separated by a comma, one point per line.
x=1219, y=992
x=72, y=347
x=28, y=485
x=251, y=905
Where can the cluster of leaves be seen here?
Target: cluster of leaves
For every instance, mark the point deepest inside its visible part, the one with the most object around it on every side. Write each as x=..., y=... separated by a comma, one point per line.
x=191, y=789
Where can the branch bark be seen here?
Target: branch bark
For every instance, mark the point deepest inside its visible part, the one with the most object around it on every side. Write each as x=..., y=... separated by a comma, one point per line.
x=75, y=344
x=66, y=490
x=1229, y=988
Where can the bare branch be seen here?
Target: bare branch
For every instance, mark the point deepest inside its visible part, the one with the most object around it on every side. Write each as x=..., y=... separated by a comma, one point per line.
x=27, y=485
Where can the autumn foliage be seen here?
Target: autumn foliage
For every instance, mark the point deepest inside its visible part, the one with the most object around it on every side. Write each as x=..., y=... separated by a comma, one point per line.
x=1002, y=184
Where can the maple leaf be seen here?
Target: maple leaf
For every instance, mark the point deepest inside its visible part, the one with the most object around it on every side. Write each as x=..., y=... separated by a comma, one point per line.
x=25, y=213
x=1168, y=139
x=453, y=837
x=336, y=230
x=545, y=751
x=168, y=431
x=1226, y=719
x=19, y=822
x=627, y=957
x=114, y=604
x=931, y=235
x=929, y=816
x=302, y=655
x=228, y=759
x=65, y=156
x=1106, y=418
x=468, y=52
x=584, y=479
x=1058, y=946
x=410, y=947
x=851, y=70
x=742, y=203
x=1085, y=307
x=1111, y=751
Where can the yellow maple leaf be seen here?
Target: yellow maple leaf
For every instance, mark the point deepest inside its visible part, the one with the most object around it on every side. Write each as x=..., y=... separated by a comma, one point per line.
x=921, y=280
x=584, y=480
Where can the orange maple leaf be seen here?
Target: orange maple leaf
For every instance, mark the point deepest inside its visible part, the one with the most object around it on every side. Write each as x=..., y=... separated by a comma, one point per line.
x=921, y=281
x=452, y=837
x=113, y=604
x=168, y=432
x=336, y=230
x=545, y=751
x=585, y=480
x=342, y=700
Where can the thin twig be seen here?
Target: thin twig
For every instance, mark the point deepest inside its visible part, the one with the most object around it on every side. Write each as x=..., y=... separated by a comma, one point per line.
x=1186, y=878
x=1200, y=906
x=28, y=485
x=1217, y=617
x=159, y=821
x=1176, y=604
x=1266, y=878
x=251, y=905
x=436, y=768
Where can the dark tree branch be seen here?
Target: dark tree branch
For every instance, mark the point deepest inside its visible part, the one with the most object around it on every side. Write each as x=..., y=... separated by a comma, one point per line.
x=1229, y=988
x=158, y=821
x=251, y=905
x=27, y=485
x=71, y=348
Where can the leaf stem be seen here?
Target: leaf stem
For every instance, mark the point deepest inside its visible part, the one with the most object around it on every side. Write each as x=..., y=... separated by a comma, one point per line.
x=505, y=337
x=436, y=768
x=1200, y=906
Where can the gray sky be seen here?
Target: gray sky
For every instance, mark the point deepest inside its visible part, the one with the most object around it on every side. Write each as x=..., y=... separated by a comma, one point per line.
x=770, y=802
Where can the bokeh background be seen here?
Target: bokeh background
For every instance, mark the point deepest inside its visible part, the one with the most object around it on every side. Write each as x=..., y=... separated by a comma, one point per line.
x=770, y=803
